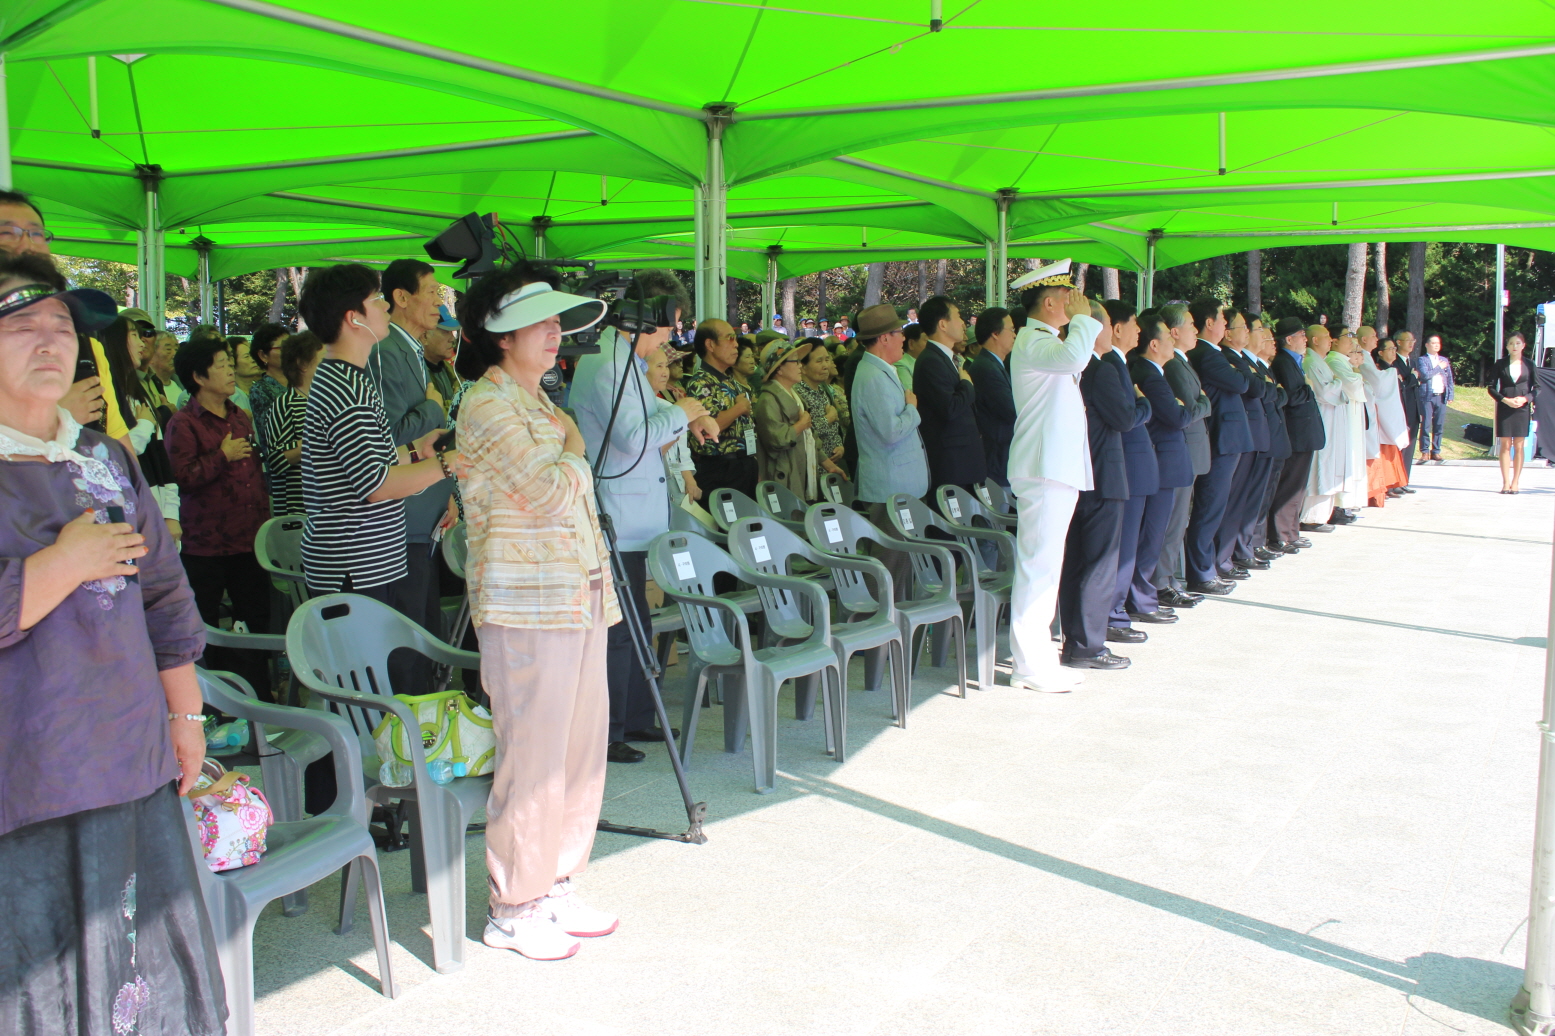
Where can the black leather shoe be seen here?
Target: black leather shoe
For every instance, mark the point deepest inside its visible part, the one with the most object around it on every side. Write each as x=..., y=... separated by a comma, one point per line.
x=1286, y=548
x=1395, y=492
x=621, y=752
x=1341, y=518
x=1217, y=588
x=1105, y=660
x=1164, y=610
x=1302, y=542
x=1160, y=618
x=1178, y=599
x=1237, y=573
x=1124, y=635
x=649, y=735
x=1310, y=527
x=1251, y=564
x=1408, y=490
x=1267, y=554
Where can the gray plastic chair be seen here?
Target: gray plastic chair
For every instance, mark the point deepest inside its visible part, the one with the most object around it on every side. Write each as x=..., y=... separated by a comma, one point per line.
x=684, y=567
x=283, y=759
x=837, y=529
x=966, y=516
x=339, y=646
x=456, y=550
x=278, y=548
x=985, y=590
x=778, y=501
x=999, y=502
x=869, y=627
x=682, y=520
x=298, y=853
x=728, y=506
x=838, y=489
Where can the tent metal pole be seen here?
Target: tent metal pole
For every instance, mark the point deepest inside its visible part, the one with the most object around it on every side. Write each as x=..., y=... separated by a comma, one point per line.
x=5, y=130
x=151, y=250
x=1533, y=1009
x=927, y=181
x=1266, y=188
x=203, y=245
x=1002, y=252
x=1149, y=275
x=1500, y=300
x=538, y=225
x=712, y=229
x=769, y=287
x=699, y=256
x=989, y=248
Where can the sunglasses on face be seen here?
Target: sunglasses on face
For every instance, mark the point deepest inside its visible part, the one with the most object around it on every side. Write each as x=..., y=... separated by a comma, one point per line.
x=144, y=329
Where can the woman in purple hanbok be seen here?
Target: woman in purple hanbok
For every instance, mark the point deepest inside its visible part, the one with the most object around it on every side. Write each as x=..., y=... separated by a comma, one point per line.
x=102, y=928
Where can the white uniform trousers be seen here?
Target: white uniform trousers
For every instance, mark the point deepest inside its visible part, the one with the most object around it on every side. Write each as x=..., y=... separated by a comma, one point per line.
x=1044, y=508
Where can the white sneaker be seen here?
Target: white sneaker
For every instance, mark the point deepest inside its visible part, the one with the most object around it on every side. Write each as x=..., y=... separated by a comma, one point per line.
x=1058, y=683
x=573, y=917
x=534, y=934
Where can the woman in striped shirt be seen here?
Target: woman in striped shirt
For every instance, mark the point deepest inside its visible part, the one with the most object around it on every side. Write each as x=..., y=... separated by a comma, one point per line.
x=542, y=603
x=282, y=423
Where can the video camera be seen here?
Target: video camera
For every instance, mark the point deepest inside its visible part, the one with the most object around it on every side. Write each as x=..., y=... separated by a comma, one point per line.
x=482, y=243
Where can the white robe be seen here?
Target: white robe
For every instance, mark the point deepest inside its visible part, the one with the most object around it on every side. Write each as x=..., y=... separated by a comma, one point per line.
x=1392, y=424
x=1351, y=417
x=1327, y=470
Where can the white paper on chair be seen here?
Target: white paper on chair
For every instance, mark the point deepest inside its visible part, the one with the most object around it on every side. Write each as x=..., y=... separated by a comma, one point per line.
x=906, y=516
x=729, y=515
x=684, y=569
x=833, y=531
x=954, y=506
x=759, y=549
x=772, y=503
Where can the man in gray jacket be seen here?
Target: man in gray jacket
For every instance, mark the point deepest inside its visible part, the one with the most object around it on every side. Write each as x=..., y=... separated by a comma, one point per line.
x=413, y=407
x=1169, y=573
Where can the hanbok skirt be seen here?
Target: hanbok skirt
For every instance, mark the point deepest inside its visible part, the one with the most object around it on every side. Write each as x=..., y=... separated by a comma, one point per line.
x=103, y=931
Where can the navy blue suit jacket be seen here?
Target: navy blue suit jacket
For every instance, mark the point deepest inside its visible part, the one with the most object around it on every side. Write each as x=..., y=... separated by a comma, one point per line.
x=1109, y=412
x=1303, y=420
x=949, y=426
x=1144, y=472
x=995, y=409
x=1252, y=399
x=1274, y=411
x=1225, y=386
x=1168, y=419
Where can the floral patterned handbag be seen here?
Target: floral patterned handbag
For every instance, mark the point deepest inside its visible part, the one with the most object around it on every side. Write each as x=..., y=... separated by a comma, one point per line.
x=232, y=817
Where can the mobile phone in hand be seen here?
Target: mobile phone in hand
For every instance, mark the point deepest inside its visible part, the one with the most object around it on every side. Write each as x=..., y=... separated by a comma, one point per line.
x=116, y=515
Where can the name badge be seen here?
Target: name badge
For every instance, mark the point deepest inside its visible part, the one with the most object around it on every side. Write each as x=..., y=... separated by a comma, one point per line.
x=729, y=515
x=833, y=531
x=906, y=516
x=750, y=441
x=759, y=549
x=953, y=506
x=683, y=566
x=772, y=503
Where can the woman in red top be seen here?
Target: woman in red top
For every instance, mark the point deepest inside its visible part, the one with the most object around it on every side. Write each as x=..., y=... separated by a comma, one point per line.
x=222, y=501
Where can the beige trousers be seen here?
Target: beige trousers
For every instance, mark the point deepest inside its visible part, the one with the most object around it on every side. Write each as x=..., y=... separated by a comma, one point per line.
x=550, y=712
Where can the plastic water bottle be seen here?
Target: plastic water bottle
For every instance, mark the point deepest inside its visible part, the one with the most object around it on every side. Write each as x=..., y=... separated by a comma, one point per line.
x=395, y=774
x=228, y=735
x=440, y=770
x=461, y=769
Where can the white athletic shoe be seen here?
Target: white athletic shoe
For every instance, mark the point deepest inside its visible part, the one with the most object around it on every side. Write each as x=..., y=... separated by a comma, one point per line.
x=534, y=934
x=573, y=917
x=1058, y=683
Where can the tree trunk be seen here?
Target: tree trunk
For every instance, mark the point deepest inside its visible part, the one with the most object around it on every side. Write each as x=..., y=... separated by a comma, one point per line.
x=788, y=304
x=732, y=301
x=1109, y=282
x=923, y=281
x=872, y=284
x=1384, y=299
x=278, y=302
x=1355, y=286
x=1079, y=276
x=1414, y=320
x=1255, y=283
x=939, y=276
x=1220, y=284
x=820, y=296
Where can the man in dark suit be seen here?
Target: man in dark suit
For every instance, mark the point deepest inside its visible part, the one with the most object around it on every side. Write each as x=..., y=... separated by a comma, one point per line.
x=1435, y=374
x=1139, y=463
x=1409, y=395
x=946, y=401
x=1089, y=578
x=1232, y=556
x=1229, y=438
x=1137, y=599
x=1255, y=533
x=1170, y=571
x=1304, y=428
x=995, y=403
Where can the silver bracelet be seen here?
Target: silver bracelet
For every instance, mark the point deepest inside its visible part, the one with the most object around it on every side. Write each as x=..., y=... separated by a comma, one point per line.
x=193, y=717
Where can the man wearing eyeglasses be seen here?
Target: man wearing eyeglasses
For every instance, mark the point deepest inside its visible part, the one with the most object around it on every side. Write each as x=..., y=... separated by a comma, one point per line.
x=90, y=399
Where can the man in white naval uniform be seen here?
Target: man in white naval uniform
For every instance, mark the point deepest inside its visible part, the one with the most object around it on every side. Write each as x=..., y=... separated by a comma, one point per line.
x=1050, y=463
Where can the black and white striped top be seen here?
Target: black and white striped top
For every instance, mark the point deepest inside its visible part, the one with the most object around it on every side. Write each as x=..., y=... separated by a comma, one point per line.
x=346, y=454
x=282, y=430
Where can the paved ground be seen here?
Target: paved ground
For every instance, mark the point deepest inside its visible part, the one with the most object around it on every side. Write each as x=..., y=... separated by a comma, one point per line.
x=1307, y=809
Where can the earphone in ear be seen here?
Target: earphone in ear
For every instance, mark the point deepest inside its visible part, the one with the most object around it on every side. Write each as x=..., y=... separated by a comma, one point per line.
x=358, y=323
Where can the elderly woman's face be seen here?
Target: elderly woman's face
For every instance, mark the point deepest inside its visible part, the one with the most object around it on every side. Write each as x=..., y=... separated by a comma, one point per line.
x=37, y=351
x=658, y=370
x=747, y=363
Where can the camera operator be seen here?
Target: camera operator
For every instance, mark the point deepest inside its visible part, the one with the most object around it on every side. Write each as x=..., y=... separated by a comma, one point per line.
x=631, y=480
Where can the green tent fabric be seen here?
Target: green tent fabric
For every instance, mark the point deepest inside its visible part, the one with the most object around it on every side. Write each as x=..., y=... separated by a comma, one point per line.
x=848, y=134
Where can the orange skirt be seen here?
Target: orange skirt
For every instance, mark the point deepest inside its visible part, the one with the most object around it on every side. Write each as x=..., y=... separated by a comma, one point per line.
x=1383, y=473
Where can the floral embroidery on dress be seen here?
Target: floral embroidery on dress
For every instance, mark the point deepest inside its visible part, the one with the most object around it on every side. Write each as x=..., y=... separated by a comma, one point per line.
x=133, y=996
x=94, y=492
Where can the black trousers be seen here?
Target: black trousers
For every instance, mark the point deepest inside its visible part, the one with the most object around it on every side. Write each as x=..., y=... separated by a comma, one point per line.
x=1290, y=492
x=1251, y=505
x=1143, y=595
x=631, y=701
x=239, y=577
x=1231, y=517
x=1211, y=490
x=1128, y=554
x=1412, y=419
x=726, y=471
x=1089, y=577
x=1260, y=535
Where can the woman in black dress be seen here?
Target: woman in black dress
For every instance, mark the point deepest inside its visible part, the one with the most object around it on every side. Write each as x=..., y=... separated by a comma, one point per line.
x=1511, y=386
